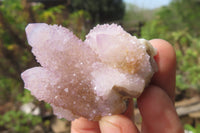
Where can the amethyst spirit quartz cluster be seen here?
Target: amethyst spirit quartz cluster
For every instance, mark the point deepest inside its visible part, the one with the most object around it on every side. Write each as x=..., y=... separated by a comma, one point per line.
x=91, y=78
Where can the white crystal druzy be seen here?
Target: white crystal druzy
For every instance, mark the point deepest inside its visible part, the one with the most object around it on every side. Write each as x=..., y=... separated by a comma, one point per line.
x=91, y=78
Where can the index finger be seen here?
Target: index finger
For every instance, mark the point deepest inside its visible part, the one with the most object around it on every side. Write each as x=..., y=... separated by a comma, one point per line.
x=166, y=60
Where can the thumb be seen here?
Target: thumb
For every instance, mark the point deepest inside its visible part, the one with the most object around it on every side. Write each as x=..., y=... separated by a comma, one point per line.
x=117, y=124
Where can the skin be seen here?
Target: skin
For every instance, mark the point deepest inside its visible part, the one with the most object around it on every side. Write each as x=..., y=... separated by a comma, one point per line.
x=156, y=104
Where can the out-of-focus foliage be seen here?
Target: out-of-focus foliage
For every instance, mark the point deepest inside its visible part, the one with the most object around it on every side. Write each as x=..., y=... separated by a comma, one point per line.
x=51, y=15
x=180, y=15
x=18, y=121
x=79, y=22
x=179, y=24
x=134, y=14
x=192, y=129
x=11, y=13
x=134, y=19
x=9, y=89
x=25, y=97
x=101, y=11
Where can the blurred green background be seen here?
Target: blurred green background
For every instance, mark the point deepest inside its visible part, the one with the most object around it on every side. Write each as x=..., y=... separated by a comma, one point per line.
x=177, y=22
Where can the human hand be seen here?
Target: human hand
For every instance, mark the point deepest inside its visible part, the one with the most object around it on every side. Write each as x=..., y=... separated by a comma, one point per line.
x=156, y=104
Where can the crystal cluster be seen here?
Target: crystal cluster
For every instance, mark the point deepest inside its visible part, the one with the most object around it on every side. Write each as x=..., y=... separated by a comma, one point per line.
x=91, y=78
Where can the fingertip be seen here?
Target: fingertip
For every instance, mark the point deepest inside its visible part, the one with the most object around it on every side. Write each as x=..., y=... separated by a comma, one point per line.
x=117, y=124
x=166, y=61
x=165, y=48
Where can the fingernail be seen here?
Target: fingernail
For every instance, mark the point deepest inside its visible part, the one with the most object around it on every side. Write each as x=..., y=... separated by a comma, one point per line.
x=108, y=125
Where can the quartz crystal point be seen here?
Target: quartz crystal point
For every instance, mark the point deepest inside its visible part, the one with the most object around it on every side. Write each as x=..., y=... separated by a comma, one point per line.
x=91, y=78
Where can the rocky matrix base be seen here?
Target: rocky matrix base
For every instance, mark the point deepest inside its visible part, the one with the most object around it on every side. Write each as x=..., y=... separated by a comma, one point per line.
x=91, y=78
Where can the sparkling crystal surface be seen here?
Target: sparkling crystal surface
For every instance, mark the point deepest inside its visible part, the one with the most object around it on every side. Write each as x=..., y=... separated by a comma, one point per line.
x=90, y=78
